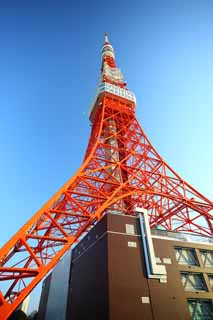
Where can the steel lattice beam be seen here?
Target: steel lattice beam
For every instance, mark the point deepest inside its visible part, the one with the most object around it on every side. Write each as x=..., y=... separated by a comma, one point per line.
x=121, y=171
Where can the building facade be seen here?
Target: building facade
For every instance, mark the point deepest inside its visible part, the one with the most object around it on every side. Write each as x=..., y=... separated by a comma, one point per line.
x=54, y=295
x=25, y=304
x=109, y=277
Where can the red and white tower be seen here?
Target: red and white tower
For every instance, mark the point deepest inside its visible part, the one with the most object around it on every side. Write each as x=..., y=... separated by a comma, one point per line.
x=121, y=171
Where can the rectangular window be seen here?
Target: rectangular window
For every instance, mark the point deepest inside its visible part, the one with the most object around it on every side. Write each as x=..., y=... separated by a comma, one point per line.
x=167, y=260
x=207, y=258
x=158, y=259
x=186, y=256
x=211, y=280
x=132, y=244
x=130, y=229
x=193, y=281
x=200, y=309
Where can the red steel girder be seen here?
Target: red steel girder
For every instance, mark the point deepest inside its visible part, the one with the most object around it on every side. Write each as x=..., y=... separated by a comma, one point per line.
x=121, y=171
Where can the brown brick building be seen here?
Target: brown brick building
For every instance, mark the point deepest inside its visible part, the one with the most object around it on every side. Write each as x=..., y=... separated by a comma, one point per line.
x=111, y=276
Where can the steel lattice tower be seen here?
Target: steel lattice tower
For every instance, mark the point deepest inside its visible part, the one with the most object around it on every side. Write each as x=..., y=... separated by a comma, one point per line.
x=121, y=171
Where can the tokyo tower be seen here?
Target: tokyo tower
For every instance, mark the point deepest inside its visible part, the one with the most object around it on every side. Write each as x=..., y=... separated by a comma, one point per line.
x=121, y=171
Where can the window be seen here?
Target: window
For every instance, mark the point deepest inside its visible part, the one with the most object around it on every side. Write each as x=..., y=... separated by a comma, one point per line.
x=207, y=258
x=130, y=229
x=145, y=299
x=132, y=244
x=186, y=256
x=158, y=259
x=200, y=309
x=211, y=280
x=167, y=260
x=193, y=281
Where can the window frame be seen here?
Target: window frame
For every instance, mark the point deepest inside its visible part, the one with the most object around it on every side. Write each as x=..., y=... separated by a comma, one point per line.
x=197, y=264
x=190, y=289
x=193, y=313
x=210, y=275
x=204, y=260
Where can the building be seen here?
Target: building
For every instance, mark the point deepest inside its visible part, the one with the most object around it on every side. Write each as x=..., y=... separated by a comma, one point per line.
x=138, y=259
x=44, y=297
x=25, y=304
x=104, y=213
x=113, y=275
x=54, y=293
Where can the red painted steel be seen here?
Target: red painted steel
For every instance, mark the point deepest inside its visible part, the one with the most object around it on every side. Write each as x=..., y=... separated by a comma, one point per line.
x=121, y=171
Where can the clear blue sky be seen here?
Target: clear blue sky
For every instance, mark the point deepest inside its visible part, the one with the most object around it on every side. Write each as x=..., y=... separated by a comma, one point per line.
x=49, y=67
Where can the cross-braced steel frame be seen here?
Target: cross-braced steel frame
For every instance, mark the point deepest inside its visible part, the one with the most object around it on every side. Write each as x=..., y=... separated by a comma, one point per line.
x=121, y=171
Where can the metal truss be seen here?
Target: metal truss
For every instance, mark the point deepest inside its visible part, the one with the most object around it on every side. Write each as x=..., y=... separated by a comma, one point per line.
x=121, y=171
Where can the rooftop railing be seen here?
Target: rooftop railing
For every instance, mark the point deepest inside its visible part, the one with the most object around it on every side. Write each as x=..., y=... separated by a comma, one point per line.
x=182, y=236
